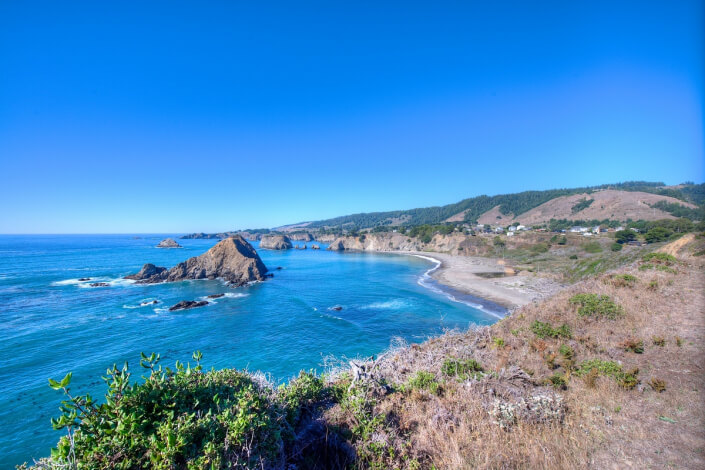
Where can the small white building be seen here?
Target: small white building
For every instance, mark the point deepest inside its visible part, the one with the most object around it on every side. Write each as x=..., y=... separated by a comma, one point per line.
x=596, y=229
x=619, y=228
x=510, y=234
x=578, y=229
x=512, y=229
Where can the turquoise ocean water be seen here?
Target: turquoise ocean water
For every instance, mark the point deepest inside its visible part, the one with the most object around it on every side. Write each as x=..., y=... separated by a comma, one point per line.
x=51, y=323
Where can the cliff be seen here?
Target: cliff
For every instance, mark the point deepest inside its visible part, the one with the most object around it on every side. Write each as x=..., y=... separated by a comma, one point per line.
x=455, y=243
x=233, y=260
x=275, y=242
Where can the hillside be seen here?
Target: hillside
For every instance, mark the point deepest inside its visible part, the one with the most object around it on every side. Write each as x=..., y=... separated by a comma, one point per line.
x=605, y=374
x=611, y=201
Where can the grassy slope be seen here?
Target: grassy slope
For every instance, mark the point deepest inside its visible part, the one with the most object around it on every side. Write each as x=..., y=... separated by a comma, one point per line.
x=600, y=424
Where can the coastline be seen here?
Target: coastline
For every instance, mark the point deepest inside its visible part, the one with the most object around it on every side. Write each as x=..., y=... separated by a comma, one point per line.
x=499, y=285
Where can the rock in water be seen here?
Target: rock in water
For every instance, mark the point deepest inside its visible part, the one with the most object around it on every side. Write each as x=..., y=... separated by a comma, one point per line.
x=168, y=243
x=99, y=284
x=216, y=296
x=315, y=247
x=275, y=242
x=148, y=271
x=186, y=304
x=233, y=260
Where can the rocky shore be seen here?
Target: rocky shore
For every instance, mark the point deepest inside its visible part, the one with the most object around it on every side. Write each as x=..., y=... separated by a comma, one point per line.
x=232, y=259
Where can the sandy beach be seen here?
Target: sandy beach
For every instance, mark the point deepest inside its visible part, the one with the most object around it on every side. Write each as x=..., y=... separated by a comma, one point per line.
x=489, y=279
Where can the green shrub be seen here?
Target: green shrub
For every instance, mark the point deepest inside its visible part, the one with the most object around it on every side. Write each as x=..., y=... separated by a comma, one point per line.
x=498, y=342
x=596, y=305
x=593, y=367
x=422, y=381
x=658, y=385
x=624, y=236
x=546, y=330
x=658, y=340
x=657, y=234
x=557, y=380
x=539, y=248
x=616, y=247
x=658, y=267
x=623, y=280
x=573, y=257
x=566, y=351
x=592, y=247
x=300, y=393
x=634, y=345
x=183, y=418
x=660, y=258
x=463, y=369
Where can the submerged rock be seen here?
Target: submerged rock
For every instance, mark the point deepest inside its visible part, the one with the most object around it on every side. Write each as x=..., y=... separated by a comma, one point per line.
x=187, y=304
x=215, y=296
x=315, y=247
x=275, y=242
x=168, y=243
x=83, y=279
x=99, y=284
x=301, y=247
x=337, y=308
x=233, y=260
x=151, y=302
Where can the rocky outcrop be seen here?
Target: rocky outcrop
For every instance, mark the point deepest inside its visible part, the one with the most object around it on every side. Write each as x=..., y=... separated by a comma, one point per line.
x=216, y=296
x=455, y=243
x=301, y=247
x=99, y=284
x=275, y=242
x=168, y=243
x=301, y=236
x=187, y=304
x=233, y=260
x=222, y=235
x=315, y=247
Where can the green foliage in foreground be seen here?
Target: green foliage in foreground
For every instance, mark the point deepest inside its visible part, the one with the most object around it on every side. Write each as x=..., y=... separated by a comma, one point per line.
x=591, y=305
x=627, y=379
x=546, y=330
x=463, y=369
x=182, y=418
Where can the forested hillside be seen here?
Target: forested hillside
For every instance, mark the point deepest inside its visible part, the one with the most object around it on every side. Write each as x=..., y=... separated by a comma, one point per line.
x=517, y=204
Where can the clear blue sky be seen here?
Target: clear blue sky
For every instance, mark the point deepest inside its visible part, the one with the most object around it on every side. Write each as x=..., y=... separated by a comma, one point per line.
x=205, y=116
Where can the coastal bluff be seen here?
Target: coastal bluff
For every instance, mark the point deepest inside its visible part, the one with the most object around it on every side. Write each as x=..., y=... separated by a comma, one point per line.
x=233, y=260
x=275, y=242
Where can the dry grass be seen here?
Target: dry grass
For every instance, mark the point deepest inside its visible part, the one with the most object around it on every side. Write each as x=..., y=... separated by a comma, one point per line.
x=518, y=413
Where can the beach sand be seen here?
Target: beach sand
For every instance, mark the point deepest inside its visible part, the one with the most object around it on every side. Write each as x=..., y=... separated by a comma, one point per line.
x=490, y=278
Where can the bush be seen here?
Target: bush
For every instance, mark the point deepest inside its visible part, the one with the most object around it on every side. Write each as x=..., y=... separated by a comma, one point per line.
x=539, y=248
x=659, y=258
x=175, y=419
x=624, y=236
x=596, y=305
x=633, y=345
x=616, y=247
x=422, y=381
x=463, y=369
x=558, y=381
x=573, y=257
x=658, y=340
x=623, y=280
x=657, y=234
x=566, y=351
x=592, y=247
x=594, y=367
x=299, y=394
x=658, y=385
x=546, y=330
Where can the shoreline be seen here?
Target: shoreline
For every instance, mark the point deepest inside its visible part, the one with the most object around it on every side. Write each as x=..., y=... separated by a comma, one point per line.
x=500, y=286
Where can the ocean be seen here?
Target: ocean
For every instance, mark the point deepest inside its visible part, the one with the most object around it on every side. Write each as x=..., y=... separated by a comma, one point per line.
x=52, y=323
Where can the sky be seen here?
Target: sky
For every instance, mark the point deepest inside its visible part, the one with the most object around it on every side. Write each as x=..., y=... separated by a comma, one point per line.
x=176, y=117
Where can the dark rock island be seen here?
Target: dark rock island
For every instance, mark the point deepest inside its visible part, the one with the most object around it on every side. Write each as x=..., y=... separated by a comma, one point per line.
x=233, y=260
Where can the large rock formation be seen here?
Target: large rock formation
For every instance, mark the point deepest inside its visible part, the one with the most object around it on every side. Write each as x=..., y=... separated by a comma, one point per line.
x=168, y=243
x=233, y=260
x=301, y=236
x=275, y=242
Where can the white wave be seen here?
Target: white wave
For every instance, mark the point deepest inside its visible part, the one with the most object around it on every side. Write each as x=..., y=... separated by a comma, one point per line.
x=394, y=304
x=70, y=282
x=143, y=303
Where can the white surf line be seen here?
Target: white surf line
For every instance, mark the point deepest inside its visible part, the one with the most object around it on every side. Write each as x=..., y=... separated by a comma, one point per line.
x=427, y=276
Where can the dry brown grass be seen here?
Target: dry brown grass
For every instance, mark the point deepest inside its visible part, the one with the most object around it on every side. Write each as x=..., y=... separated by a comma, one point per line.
x=595, y=422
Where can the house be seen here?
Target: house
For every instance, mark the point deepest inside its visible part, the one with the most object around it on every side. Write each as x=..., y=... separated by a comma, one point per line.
x=619, y=228
x=578, y=229
x=498, y=230
x=512, y=229
x=596, y=229
x=510, y=234
x=521, y=227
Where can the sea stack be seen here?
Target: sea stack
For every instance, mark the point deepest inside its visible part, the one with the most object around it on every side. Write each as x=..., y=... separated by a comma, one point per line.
x=275, y=242
x=233, y=260
x=168, y=243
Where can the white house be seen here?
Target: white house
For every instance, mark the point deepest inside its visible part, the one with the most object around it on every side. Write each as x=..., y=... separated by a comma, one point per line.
x=521, y=227
x=578, y=229
x=510, y=234
x=596, y=229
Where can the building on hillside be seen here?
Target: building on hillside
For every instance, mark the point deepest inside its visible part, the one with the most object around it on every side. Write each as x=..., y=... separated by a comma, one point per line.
x=596, y=229
x=510, y=234
x=521, y=227
x=578, y=229
x=511, y=229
